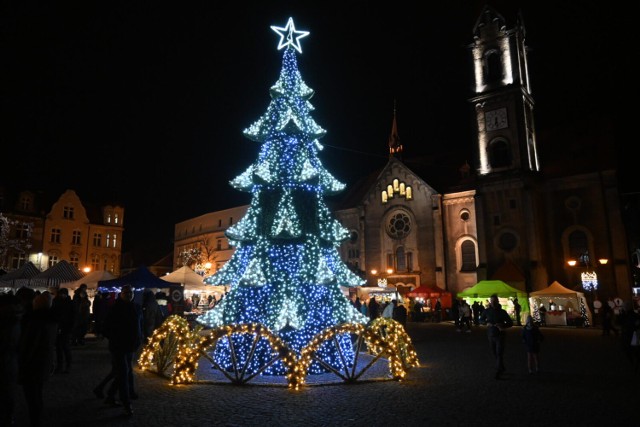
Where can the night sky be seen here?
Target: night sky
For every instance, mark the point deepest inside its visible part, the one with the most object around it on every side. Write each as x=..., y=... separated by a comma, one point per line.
x=145, y=105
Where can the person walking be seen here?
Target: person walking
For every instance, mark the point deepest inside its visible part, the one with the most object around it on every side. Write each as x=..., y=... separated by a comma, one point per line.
x=497, y=320
x=517, y=308
x=10, y=315
x=374, y=308
x=399, y=313
x=64, y=314
x=532, y=337
x=122, y=328
x=35, y=357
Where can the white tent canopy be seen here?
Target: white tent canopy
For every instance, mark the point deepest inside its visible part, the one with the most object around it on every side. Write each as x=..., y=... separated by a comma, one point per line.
x=91, y=280
x=570, y=301
x=191, y=280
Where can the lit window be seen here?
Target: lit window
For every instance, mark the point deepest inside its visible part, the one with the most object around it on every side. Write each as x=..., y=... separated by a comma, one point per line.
x=390, y=191
x=384, y=196
x=108, y=240
x=53, y=260
x=409, y=192
x=115, y=237
x=396, y=185
x=108, y=218
x=115, y=218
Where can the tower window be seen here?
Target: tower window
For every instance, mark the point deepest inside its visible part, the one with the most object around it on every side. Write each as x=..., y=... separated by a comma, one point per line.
x=468, y=256
x=499, y=154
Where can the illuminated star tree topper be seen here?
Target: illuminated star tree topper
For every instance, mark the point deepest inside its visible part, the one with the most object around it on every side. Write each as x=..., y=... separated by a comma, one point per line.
x=289, y=36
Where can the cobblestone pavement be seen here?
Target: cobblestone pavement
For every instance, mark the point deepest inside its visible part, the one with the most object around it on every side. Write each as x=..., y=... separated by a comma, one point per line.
x=585, y=381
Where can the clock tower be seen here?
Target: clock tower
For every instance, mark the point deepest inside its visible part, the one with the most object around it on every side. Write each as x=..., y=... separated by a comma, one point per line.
x=508, y=197
x=506, y=139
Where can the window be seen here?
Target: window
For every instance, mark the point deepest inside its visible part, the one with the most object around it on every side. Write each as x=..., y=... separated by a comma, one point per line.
x=578, y=245
x=115, y=218
x=398, y=224
x=53, y=260
x=219, y=223
x=468, y=256
x=18, y=260
x=499, y=154
x=108, y=218
x=108, y=240
x=97, y=240
x=507, y=241
x=401, y=263
x=25, y=203
x=67, y=212
x=230, y=220
x=464, y=215
x=409, y=193
x=22, y=231
x=409, y=256
x=115, y=240
x=74, y=260
x=55, y=235
x=493, y=66
x=104, y=264
x=75, y=238
x=95, y=262
x=389, y=260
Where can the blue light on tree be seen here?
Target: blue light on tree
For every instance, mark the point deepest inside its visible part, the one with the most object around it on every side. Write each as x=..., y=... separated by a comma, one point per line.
x=286, y=272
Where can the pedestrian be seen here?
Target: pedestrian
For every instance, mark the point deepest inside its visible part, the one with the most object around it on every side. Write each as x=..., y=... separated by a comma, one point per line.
x=532, y=337
x=374, y=308
x=152, y=316
x=455, y=314
x=122, y=328
x=438, y=313
x=517, y=308
x=607, y=320
x=35, y=357
x=10, y=316
x=82, y=307
x=629, y=322
x=543, y=315
x=64, y=314
x=497, y=321
x=399, y=313
x=465, y=317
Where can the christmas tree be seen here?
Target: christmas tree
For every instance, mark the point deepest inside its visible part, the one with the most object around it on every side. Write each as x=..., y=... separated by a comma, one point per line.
x=286, y=272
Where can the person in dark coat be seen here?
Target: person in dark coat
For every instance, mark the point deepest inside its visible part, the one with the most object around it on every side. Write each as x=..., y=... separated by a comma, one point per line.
x=10, y=315
x=497, y=320
x=399, y=313
x=64, y=314
x=152, y=317
x=100, y=307
x=374, y=309
x=35, y=357
x=532, y=337
x=122, y=328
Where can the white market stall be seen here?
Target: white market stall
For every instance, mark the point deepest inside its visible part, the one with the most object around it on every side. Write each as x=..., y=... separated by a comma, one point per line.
x=569, y=307
x=193, y=284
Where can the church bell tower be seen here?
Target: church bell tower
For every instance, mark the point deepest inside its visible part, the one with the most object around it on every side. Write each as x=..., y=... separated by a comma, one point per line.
x=506, y=139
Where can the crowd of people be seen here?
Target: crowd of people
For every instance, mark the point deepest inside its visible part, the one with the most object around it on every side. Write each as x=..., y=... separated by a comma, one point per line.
x=39, y=328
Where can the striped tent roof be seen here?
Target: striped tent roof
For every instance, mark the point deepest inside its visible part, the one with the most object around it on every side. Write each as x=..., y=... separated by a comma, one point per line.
x=61, y=272
x=19, y=277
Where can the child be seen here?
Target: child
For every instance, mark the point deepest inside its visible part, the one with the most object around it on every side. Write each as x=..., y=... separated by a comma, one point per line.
x=532, y=337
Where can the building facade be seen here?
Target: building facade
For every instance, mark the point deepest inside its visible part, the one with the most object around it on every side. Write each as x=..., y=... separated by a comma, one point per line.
x=88, y=237
x=509, y=217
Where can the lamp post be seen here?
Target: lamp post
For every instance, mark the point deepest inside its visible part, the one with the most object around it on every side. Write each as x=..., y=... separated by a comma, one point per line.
x=589, y=277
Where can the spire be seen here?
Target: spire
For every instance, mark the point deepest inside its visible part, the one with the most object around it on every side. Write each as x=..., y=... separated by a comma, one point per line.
x=395, y=146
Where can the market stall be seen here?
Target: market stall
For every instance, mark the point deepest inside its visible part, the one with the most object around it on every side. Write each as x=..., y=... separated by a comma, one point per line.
x=483, y=290
x=563, y=306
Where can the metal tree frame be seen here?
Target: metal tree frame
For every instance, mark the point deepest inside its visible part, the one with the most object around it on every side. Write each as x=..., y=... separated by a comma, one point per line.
x=382, y=338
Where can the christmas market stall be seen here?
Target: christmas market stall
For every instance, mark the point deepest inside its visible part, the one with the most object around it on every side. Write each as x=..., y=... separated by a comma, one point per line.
x=563, y=306
x=483, y=290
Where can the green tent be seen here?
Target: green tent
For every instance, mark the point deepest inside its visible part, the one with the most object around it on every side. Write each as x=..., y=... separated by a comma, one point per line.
x=485, y=288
